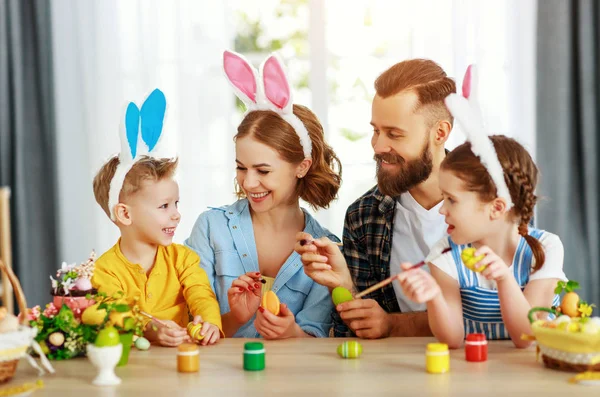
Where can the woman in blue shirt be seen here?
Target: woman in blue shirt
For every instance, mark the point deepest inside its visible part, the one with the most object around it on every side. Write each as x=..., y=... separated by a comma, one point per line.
x=247, y=248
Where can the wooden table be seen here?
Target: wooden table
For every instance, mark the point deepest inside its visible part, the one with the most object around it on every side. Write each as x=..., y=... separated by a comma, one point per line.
x=311, y=367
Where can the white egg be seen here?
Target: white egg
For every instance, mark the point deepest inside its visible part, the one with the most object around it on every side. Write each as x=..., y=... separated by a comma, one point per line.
x=9, y=324
x=57, y=339
x=563, y=319
x=590, y=328
x=595, y=321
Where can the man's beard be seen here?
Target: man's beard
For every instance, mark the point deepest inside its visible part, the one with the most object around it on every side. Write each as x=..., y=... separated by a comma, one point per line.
x=408, y=175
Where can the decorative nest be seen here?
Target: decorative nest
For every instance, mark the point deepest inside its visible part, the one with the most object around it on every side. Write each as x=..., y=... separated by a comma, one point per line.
x=74, y=293
x=567, y=366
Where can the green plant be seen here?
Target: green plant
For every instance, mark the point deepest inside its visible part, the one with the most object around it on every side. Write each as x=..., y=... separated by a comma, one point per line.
x=124, y=317
x=568, y=286
x=60, y=334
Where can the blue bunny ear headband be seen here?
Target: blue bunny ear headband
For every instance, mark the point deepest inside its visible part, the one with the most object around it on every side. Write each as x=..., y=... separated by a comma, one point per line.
x=140, y=132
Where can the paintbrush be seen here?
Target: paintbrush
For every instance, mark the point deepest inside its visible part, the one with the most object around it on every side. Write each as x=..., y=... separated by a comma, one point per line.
x=150, y=316
x=304, y=242
x=391, y=278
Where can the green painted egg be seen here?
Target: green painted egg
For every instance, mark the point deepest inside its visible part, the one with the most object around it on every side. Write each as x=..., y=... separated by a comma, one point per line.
x=349, y=349
x=142, y=343
x=341, y=295
x=470, y=260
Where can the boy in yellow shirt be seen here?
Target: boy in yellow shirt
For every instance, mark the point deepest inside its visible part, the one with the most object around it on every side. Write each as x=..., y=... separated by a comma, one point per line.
x=138, y=192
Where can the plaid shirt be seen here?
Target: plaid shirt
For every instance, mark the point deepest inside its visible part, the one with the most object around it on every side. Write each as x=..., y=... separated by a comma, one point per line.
x=367, y=242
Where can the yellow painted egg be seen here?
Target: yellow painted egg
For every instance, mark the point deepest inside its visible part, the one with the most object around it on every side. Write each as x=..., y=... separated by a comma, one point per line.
x=341, y=295
x=573, y=327
x=270, y=302
x=349, y=349
x=470, y=260
x=93, y=316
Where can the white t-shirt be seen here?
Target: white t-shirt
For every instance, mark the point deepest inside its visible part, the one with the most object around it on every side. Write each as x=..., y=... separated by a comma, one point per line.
x=552, y=268
x=416, y=230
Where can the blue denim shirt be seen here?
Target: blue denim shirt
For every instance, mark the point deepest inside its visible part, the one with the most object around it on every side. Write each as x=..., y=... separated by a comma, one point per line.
x=224, y=240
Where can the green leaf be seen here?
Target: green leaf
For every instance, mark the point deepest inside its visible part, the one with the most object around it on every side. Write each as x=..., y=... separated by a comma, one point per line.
x=128, y=323
x=572, y=286
x=121, y=308
x=584, y=320
x=558, y=289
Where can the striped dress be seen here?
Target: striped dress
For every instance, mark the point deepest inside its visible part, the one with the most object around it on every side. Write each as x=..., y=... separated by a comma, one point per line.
x=481, y=305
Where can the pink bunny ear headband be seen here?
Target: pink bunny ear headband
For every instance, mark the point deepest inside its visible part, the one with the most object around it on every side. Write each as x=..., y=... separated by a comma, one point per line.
x=465, y=109
x=267, y=90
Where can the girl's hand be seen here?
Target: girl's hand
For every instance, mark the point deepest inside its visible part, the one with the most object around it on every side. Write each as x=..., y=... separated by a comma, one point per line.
x=495, y=268
x=244, y=297
x=418, y=285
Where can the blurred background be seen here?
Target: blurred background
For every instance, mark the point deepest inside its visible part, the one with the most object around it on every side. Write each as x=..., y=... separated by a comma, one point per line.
x=68, y=68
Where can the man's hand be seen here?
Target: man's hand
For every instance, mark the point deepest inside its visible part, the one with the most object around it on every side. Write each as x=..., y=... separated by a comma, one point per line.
x=366, y=318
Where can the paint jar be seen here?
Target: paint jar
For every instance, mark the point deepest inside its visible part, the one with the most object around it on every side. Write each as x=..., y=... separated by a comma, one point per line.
x=188, y=358
x=437, y=358
x=476, y=348
x=254, y=356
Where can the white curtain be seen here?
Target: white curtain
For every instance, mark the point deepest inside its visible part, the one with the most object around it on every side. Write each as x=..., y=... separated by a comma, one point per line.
x=109, y=52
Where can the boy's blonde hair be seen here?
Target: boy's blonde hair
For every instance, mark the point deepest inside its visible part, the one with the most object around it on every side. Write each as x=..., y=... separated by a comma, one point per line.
x=145, y=169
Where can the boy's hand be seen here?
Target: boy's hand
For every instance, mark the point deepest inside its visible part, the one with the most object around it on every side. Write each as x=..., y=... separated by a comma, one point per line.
x=168, y=333
x=244, y=297
x=209, y=331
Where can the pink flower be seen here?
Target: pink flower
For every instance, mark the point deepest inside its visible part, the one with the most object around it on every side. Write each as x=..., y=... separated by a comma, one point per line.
x=50, y=310
x=34, y=313
x=77, y=312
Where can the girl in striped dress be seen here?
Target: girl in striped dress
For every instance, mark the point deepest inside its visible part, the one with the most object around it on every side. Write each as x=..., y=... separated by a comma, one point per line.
x=488, y=188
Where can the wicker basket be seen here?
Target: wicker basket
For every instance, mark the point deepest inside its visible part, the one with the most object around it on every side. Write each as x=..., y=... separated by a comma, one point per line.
x=14, y=345
x=566, y=351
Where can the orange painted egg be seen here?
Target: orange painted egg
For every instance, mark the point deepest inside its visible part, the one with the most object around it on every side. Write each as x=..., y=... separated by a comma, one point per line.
x=270, y=302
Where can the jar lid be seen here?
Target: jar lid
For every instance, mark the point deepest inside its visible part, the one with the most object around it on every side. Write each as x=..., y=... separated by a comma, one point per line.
x=437, y=347
x=475, y=338
x=187, y=347
x=254, y=346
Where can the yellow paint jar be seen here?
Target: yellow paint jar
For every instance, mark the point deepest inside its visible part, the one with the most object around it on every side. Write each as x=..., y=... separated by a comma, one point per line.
x=188, y=358
x=437, y=358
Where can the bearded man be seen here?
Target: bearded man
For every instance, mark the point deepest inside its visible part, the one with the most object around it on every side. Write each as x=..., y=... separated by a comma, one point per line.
x=398, y=220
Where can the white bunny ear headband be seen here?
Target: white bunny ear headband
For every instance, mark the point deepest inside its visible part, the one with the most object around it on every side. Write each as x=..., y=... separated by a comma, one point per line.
x=466, y=110
x=140, y=132
x=267, y=90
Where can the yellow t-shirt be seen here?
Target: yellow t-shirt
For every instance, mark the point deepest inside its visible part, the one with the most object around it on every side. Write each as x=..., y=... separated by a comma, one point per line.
x=176, y=284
